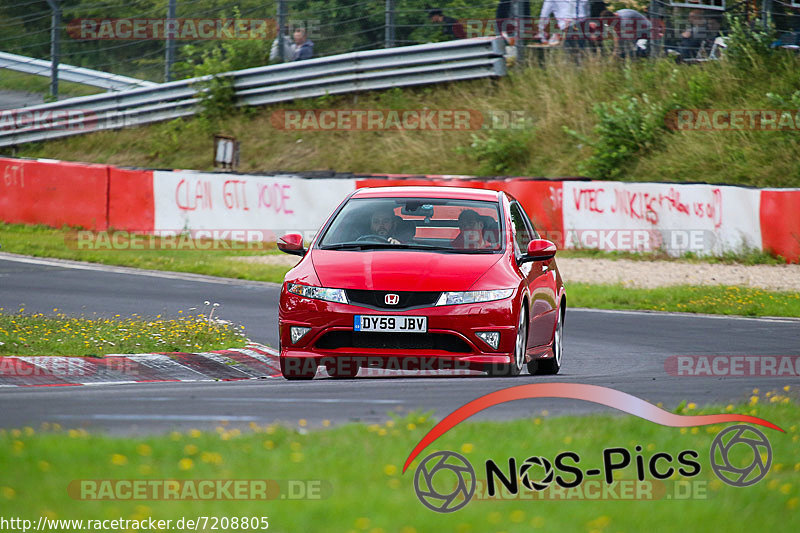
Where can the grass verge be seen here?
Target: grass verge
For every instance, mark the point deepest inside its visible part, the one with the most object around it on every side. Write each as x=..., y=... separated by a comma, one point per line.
x=43, y=241
x=360, y=466
x=716, y=299
x=38, y=334
x=30, y=83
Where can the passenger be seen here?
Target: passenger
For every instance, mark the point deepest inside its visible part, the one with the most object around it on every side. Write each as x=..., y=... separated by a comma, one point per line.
x=471, y=235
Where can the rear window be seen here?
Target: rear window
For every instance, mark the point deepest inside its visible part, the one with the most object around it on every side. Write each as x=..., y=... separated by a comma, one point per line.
x=416, y=223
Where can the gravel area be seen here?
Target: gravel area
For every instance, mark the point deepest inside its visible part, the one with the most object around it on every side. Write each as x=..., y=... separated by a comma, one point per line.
x=644, y=274
x=648, y=274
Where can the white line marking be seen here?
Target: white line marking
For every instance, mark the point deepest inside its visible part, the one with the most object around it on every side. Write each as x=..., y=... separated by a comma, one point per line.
x=79, y=265
x=685, y=315
x=198, y=418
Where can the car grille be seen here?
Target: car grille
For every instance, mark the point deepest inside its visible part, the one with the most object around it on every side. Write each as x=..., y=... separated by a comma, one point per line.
x=393, y=341
x=408, y=299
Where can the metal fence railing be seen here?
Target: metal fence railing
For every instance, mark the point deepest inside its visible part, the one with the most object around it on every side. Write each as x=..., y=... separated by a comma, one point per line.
x=95, y=78
x=357, y=71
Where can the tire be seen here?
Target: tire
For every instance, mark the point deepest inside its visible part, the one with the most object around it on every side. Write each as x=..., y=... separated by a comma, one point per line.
x=552, y=365
x=342, y=369
x=520, y=346
x=297, y=368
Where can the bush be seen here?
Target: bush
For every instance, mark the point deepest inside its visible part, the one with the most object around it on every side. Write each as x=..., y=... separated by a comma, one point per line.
x=626, y=128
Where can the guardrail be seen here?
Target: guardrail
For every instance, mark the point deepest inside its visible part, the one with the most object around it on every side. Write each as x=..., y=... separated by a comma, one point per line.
x=357, y=71
x=86, y=76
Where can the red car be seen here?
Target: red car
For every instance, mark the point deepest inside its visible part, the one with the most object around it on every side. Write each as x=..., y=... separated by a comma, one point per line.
x=422, y=278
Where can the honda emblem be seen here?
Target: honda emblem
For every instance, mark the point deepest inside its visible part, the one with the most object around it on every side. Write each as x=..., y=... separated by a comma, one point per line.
x=391, y=299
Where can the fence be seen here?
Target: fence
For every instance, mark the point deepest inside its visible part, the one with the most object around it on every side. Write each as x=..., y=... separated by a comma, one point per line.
x=98, y=197
x=102, y=34
x=358, y=71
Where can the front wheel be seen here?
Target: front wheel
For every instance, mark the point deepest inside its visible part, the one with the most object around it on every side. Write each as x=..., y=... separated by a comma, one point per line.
x=553, y=365
x=342, y=369
x=520, y=346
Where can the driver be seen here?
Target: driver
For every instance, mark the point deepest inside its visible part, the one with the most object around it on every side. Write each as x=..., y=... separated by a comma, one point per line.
x=384, y=223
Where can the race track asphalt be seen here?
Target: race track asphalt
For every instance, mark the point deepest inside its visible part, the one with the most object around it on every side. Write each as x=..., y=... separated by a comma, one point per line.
x=619, y=349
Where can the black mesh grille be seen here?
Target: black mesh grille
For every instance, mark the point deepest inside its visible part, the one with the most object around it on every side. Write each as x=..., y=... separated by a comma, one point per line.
x=392, y=341
x=408, y=300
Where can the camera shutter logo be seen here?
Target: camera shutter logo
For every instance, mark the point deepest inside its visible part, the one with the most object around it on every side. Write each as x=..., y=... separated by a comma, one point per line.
x=442, y=495
x=738, y=437
x=525, y=473
x=391, y=299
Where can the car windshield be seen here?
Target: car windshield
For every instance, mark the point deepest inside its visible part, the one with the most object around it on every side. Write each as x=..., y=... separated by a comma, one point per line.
x=435, y=224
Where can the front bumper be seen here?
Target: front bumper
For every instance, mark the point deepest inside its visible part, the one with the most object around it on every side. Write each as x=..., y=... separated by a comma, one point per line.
x=451, y=341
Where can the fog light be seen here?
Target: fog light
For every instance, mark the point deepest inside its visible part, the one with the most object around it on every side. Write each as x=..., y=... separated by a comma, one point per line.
x=296, y=333
x=492, y=338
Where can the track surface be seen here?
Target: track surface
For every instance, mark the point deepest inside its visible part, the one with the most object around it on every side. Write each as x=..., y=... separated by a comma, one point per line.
x=623, y=350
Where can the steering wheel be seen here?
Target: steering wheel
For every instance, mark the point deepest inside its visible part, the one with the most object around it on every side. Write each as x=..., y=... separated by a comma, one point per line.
x=373, y=236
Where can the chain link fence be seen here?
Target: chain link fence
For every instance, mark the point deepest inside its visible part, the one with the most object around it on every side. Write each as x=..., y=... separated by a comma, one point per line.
x=159, y=40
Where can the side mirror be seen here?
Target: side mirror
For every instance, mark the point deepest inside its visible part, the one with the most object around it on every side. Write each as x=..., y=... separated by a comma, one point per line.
x=539, y=250
x=292, y=244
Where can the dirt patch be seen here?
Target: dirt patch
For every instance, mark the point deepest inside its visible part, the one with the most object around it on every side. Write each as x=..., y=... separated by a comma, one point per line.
x=650, y=274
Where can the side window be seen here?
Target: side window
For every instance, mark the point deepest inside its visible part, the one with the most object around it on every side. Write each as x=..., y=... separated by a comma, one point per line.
x=522, y=229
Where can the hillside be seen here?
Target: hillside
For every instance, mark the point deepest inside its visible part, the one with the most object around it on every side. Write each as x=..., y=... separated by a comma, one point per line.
x=601, y=118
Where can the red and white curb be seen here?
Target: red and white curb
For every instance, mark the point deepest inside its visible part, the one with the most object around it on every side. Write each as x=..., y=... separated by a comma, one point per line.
x=254, y=361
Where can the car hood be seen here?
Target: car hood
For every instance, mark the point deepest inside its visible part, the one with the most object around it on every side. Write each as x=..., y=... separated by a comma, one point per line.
x=389, y=270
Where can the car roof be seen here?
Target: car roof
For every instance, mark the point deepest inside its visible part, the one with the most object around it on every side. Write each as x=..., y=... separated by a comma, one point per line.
x=461, y=193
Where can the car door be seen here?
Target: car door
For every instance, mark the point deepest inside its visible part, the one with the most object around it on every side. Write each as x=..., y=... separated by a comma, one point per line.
x=538, y=277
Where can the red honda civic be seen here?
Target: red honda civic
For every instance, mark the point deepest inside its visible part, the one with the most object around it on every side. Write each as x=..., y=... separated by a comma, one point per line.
x=412, y=278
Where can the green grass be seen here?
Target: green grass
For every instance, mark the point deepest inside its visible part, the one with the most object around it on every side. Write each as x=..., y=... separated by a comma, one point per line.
x=364, y=490
x=60, y=243
x=716, y=299
x=22, y=334
x=43, y=241
x=19, y=81
x=555, y=97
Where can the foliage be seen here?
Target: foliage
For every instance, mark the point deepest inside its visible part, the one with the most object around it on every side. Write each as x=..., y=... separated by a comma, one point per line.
x=501, y=151
x=749, y=45
x=627, y=127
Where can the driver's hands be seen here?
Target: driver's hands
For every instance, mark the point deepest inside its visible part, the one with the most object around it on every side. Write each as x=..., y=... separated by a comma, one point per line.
x=393, y=240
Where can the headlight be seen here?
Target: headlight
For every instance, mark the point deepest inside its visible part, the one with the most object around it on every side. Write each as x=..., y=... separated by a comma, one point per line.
x=318, y=293
x=473, y=297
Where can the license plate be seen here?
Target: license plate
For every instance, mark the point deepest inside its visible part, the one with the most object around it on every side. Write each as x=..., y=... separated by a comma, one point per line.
x=406, y=324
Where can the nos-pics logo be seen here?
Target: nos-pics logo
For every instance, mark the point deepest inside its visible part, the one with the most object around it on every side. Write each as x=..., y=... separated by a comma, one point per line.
x=445, y=481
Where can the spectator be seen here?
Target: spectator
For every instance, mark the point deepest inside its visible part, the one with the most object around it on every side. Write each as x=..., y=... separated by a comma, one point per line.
x=701, y=29
x=302, y=48
x=626, y=26
x=451, y=28
x=565, y=12
x=503, y=13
